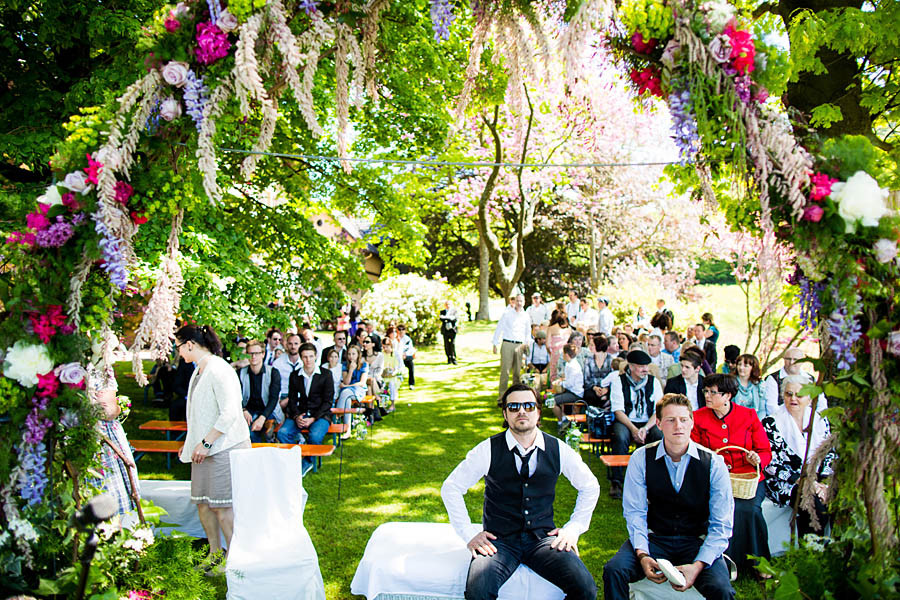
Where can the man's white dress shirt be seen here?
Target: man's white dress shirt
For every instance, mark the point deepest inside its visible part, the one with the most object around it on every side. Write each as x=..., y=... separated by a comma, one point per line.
x=514, y=326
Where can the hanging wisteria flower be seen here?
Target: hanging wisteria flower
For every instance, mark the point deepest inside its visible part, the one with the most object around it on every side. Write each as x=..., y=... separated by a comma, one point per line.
x=860, y=200
x=845, y=331
x=442, y=18
x=308, y=6
x=175, y=73
x=109, y=157
x=25, y=361
x=885, y=250
x=810, y=299
x=212, y=43
x=196, y=95
x=684, y=126
x=33, y=477
x=213, y=9
x=111, y=248
x=51, y=197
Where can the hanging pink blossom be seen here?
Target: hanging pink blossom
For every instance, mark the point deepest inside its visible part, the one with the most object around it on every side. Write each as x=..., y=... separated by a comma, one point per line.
x=93, y=169
x=813, y=213
x=124, y=192
x=212, y=43
x=743, y=51
x=821, y=186
x=641, y=45
x=26, y=239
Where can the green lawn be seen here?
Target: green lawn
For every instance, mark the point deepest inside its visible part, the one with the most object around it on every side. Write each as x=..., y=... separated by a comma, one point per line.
x=396, y=473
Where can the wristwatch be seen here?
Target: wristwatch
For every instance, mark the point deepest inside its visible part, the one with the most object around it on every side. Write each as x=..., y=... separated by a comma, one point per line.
x=206, y=444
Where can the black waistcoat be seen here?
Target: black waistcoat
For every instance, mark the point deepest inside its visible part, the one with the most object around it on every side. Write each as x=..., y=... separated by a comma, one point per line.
x=685, y=512
x=644, y=395
x=511, y=505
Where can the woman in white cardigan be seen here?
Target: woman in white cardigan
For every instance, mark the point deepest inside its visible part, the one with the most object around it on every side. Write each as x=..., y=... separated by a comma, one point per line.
x=215, y=426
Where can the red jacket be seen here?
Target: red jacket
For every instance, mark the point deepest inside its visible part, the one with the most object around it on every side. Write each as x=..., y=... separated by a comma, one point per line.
x=740, y=427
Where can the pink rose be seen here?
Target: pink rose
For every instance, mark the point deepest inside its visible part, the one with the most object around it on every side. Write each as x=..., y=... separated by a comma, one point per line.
x=124, y=192
x=813, y=213
x=720, y=47
x=671, y=53
x=170, y=109
x=642, y=46
x=893, y=343
x=175, y=73
x=821, y=186
x=71, y=373
x=227, y=22
x=172, y=24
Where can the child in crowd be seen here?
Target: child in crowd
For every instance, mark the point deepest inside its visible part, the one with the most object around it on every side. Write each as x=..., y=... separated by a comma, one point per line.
x=539, y=355
x=572, y=384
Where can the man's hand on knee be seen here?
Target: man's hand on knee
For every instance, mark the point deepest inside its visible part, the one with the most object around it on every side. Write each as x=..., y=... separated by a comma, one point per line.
x=566, y=540
x=481, y=544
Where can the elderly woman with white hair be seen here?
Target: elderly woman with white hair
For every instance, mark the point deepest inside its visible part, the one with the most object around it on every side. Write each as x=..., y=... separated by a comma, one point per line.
x=788, y=432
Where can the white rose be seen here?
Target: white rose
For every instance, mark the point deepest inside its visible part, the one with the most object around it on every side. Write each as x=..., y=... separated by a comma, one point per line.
x=25, y=361
x=170, y=109
x=227, y=22
x=885, y=250
x=72, y=373
x=860, y=199
x=175, y=73
x=51, y=196
x=76, y=181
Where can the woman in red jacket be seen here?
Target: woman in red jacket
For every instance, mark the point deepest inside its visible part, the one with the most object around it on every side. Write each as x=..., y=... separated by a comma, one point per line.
x=722, y=422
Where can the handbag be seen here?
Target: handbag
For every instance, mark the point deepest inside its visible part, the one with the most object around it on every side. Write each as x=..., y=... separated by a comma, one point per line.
x=599, y=421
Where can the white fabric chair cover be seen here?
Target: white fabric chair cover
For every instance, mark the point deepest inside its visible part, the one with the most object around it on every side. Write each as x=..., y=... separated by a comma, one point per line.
x=271, y=555
x=647, y=590
x=428, y=561
x=778, y=522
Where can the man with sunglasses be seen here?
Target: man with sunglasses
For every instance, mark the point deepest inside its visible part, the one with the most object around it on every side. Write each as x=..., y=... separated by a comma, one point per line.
x=520, y=468
x=340, y=344
x=273, y=340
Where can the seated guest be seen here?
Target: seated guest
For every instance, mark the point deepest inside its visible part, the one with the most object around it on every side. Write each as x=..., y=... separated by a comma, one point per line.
x=595, y=371
x=353, y=381
x=582, y=355
x=625, y=340
x=336, y=368
x=672, y=345
x=633, y=394
x=724, y=423
x=273, y=340
x=520, y=468
x=539, y=352
x=690, y=382
x=308, y=405
x=750, y=392
x=661, y=360
x=240, y=355
x=660, y=324
x=677, y=505
x=260, y=390
x=612, y=347
x=731, y=355
x=340, y=344
x=375, y=359
x=359, y=337
x=572, y=384
x=308, y=336
x=286, y=364
x=704, y=366
x=792, y=366
x=392, y=371
x=787, y=432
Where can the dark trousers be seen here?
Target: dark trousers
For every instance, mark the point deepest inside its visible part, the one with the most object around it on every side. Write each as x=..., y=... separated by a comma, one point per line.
x=713, y=582
x=592, y=399
x=621, y=440
x=450, y=346
x=563, y=569
x=408, y=361
x=749, y=532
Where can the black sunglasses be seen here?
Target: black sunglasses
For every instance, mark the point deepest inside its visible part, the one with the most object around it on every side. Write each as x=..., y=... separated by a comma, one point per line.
x=517, y=406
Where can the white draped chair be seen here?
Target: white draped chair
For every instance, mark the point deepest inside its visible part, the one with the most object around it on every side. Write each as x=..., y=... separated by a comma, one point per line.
x=271, y=554
x=428, y=561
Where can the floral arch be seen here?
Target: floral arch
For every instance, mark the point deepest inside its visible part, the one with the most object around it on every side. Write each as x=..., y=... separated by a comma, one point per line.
x=209, y=65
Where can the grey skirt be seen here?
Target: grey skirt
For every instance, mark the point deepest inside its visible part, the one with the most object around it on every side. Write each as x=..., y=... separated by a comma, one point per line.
x=211, y=479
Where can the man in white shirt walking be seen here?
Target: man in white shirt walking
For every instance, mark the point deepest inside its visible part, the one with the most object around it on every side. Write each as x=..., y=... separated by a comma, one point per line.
x=513, y=330
x=521, y=467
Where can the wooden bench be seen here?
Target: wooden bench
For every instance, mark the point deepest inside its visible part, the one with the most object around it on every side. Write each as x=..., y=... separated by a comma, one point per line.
x=599, y=445
x=316, y=451
x=579, y=418
x=168, y=427
x=614, y=460
x=348, y=411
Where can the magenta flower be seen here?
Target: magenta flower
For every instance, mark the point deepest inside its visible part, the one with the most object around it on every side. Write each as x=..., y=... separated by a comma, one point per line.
x=69, y=201
x=38, y=220
x=124, y=192
x=212, y=43
x=93, y=170
x=48, y=385
x=641, y=45
x=743, y=52
x=172, y=24
x=26, y=239
x=821, y=186
x=813, y=213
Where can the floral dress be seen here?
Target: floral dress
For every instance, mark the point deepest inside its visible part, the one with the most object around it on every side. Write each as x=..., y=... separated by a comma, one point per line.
x=783, y=472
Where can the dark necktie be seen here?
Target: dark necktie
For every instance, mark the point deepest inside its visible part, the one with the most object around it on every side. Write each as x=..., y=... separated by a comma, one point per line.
x=523, y=471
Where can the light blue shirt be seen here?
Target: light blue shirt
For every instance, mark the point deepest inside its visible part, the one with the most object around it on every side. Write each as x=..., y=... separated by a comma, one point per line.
x=721, y=501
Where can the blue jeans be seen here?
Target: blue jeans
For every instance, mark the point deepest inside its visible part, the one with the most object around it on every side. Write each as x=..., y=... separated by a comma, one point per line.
x=713, y=582
x=257, y=437
x=290, y=434
x=563, y=569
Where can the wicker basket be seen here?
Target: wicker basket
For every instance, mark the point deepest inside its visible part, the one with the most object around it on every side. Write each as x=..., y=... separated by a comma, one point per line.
x=743, y=485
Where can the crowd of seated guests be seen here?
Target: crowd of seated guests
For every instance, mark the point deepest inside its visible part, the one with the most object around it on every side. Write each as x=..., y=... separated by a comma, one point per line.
x=628, y=368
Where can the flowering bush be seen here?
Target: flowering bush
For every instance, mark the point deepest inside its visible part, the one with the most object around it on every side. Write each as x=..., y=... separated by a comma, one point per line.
x=412, y=300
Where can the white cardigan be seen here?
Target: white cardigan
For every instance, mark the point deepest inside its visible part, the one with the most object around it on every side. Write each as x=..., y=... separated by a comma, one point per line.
x=214, y=401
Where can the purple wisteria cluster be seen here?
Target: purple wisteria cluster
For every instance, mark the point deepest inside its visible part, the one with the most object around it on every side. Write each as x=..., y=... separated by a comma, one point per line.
x=684, y=125
x=196, y=95
x=214, y=10
x=810, y=299
x=442, y=18
x=308, y=6
x=742, y=85
x=845, y=331
x=56, y=235
x=33, y=453
x=114, y=261
x=152, y=124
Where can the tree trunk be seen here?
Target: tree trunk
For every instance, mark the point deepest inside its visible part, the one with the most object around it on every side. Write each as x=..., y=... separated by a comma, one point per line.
x=484, y=278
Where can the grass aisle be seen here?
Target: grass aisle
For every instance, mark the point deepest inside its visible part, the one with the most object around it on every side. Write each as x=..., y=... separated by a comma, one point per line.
x=395, y=474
